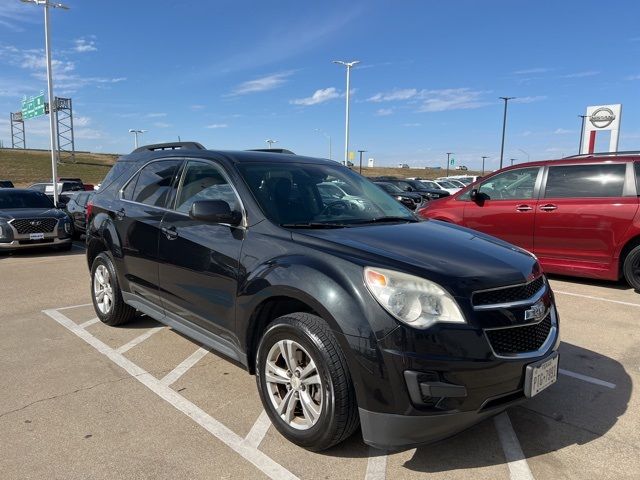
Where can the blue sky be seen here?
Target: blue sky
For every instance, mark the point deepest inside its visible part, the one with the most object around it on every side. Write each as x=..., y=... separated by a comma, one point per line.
x=231, y=74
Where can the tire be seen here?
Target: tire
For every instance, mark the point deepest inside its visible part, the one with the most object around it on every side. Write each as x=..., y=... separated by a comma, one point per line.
x=112, y=311
x=324, y=412
x=631, y=268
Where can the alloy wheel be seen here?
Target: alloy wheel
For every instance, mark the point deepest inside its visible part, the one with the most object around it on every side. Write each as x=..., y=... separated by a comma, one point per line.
x=102, y=289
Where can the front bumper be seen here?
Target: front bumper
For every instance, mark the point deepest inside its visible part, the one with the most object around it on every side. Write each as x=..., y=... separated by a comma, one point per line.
x=47, y=242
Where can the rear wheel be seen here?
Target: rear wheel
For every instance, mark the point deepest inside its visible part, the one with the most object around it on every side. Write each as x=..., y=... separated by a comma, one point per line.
x=106, y=293
x=631, y=268
x=304, y=382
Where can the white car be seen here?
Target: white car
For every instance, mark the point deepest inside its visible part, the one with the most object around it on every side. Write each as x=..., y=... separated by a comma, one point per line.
x=448, y=186
x=456, y=182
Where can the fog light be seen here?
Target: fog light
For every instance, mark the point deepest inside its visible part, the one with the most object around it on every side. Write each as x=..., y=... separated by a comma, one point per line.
x=67, y=227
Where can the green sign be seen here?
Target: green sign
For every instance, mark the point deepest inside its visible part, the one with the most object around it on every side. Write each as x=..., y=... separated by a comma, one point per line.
x=453, y=160
x=33, y=107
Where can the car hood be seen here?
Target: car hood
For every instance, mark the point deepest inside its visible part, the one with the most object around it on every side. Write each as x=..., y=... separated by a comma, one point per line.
x=460, y=259
x=11, y=213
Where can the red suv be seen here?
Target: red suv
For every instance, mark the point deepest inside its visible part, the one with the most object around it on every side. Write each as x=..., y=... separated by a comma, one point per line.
x=578, y=215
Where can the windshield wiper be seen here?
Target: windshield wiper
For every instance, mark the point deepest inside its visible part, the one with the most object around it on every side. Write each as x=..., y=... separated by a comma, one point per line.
x=387, y=219
x=313, y=225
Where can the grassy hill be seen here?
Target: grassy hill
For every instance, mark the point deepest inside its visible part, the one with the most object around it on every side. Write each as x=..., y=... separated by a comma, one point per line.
x=25, y=167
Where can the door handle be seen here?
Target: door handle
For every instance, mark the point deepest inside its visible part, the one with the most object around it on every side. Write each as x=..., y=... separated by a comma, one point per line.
x=549, y=207
x=170, y=232
x=120, y=214
x=523, y=208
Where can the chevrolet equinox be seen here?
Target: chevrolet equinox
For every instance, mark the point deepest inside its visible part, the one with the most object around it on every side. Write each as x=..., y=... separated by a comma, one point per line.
x=349, y=313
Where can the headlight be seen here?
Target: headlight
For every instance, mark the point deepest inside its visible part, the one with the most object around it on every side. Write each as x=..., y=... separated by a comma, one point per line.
x=399, y=198
x=413, y=300
x=2, y=231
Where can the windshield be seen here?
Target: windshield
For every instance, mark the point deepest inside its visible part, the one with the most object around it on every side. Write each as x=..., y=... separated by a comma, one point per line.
x=389, y=187
x=446, y=184
x=431, y=185
x=24, y=199
x=297, y=194
x=465, y=180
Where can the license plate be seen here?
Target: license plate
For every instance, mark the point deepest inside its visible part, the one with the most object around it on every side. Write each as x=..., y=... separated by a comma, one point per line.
x=36, y=236
x=541, y=375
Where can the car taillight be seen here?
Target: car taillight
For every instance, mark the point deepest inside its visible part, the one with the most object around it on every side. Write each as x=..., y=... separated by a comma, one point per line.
x=89, y=210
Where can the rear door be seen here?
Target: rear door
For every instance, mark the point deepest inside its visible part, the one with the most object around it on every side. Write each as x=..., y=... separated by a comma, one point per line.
x=583, y=214
x=199, y=262
x=506, y=206
x=137, y=218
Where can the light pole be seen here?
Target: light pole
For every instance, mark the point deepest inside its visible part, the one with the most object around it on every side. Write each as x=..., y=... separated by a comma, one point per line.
x=483, y=159
x=361, y=152
x=52, y=124
x=349, y=66
x=504, y=126
x=528, y=156
x=581, y=132
x=136, y=133
x=448, y=155
x=512, y=160
x=270, y=142
x=327, y=136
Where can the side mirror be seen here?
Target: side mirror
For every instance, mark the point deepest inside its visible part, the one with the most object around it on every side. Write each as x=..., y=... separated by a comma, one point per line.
x=474, y=194
x=214, y=211
x=409, y=189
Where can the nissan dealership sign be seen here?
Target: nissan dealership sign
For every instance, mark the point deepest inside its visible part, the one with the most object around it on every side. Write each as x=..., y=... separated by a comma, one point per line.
x=599, y=118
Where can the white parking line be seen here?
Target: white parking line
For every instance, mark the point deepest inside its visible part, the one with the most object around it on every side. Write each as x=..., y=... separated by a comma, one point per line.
x=376, y=465
x=591, y=297
x=186, y=364
x=258, y=431
x=516, y=461
x=128, y=346
x=88, y=323
x=586, y=378
x=75, y=306
x=264, y=463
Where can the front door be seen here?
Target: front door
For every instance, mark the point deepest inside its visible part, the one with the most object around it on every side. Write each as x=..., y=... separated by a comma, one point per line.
x=506, y=206
x=199, y=266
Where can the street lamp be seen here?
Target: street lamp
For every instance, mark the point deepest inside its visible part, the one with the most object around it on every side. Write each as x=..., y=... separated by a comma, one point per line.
x=582, y=132
x=361, y=152
x=270, y=142
x=136, y=133
x=349, y=66
x=513, y=160
x=448, y=155
x=327, y=136
x=483, y=159
x=504, y=126
x=52, y=124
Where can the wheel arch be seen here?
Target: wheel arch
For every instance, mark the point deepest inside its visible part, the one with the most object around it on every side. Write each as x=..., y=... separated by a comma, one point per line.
x=632, y=243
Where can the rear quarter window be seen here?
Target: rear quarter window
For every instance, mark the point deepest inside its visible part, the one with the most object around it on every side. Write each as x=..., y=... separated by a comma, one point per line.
x=585, y=181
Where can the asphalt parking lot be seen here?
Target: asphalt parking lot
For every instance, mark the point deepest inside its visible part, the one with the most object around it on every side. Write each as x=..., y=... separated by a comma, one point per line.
x=82, y=400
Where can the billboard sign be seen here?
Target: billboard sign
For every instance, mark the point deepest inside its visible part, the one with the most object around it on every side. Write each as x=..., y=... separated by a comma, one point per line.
x=601, y=118
x=33, y=106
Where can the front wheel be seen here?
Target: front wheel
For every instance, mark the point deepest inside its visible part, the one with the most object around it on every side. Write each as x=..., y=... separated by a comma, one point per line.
x=631, y=268
x=304, y=382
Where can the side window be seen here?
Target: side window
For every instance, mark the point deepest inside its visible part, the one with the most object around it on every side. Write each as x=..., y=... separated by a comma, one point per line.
x=154, y=183
x=127, y=191
x=204, y=181
x=511, y=185
x=576, y=181
x=637, y=178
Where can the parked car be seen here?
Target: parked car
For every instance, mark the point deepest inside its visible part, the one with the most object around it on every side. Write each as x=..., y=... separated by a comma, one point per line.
x=461, y=167
x=345, y=316
x=332, y=192
x=29, y=219
x=428, y=193
x=448, y=186
x=6, y=184
x=455, y=182
x=578, y=215
x=466, y=179
x=411, y=200
x=88, y=187
x=76, y=207
x=63, y=189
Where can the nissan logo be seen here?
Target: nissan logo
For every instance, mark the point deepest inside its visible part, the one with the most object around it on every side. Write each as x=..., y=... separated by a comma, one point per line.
x=602, y=117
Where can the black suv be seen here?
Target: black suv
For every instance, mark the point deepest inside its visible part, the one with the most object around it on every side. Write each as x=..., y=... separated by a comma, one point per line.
x=348, y=312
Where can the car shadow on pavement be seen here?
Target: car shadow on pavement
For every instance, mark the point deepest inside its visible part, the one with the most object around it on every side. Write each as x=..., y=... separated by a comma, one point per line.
x=614, y=284
x=41, y=252
x=571, y=412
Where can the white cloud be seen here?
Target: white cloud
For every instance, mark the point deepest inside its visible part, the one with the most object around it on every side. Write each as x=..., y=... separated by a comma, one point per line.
x=383, y=112
x=451, y=99
x=403, y=94
x=197, y=107
x=156, y=115
x=217, y=125
x=83, y=45
x=529, y=71
x=589, y=73
x=262, y=84
x=536, y=98
x=562, y=131
x=319, y=96
x=161, y=125
x=632, y=77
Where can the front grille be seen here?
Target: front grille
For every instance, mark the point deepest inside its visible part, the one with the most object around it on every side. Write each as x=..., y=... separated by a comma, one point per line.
x=514, y=340
x=508, y=294
x=34, y=225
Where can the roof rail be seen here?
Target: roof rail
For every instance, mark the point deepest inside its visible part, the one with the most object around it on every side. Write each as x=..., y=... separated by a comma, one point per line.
x=170, y=146
x=605, y=154
x=271, y=150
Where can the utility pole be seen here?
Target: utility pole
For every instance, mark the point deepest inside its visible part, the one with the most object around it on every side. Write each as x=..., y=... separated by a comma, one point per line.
x=136, y=133
x=448, y=155
x=504, y=126
x=483, y=159
x=271, y=142
x=349, y=66
x=512, y=160
x=52, y=107
x=581, y=133
x=361, y=152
